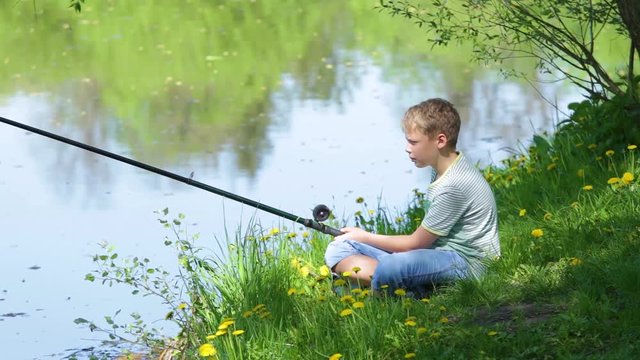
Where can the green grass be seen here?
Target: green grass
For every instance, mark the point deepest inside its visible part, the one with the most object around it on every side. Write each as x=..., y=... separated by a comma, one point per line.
x=569, y=289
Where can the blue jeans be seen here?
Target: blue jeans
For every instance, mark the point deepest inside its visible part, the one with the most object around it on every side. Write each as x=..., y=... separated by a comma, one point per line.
x=412, y=270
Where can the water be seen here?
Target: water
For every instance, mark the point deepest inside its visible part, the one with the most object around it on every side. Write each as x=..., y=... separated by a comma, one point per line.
x=300, y=133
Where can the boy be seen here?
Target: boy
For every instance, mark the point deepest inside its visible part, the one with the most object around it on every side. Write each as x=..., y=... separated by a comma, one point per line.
x=459, y=231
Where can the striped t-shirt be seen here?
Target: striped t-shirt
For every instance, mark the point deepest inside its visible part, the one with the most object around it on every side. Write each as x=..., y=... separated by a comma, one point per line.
x=460, y=208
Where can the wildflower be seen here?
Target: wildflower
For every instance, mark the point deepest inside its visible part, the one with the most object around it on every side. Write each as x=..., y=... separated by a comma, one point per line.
x=609, y=153
x=425, y=300
x=410, y=355
x=421, y=330
x=324, y=270
x=492, y=333
x=259, y=307
x=346, y=273
x=587, y=188
x=304, y=271
x=346, y=312
x=444, y=319
x=627, y=178
x=598, y=158
x=410, y=322
x=580, y=173
x=551, y=166
x=384, y=286
x=292, y=291
x=339, y=282
x=356, y=291
x=574, y=261
x=632, y=147
x=335, y=356
x=356, y=269
x=613, y=180
x=207, y=350
x=182, y=306
x=237, y=332
x=522, y=212
x=225, y=324
x=322, y=298
x=247, y=314
x=359, y=200
x=400, y=292
x=358, y=305
x=210, y=337
x=365, y=293
x=372, y=212
x=264, y=314
x=291, y=235
x=305, y=234
x=274, y=231
x=347, y=299
x=547, y=216
x=536, y=233
x=443, y=308
x=220, y=333
x=592, y=146
x=399, y=219
x=435, y=334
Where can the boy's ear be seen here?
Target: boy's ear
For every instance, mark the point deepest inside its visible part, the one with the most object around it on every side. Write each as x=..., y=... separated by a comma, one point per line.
x=441, y=140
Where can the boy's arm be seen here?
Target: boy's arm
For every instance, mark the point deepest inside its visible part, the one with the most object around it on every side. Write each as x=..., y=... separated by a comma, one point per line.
x=420, y=239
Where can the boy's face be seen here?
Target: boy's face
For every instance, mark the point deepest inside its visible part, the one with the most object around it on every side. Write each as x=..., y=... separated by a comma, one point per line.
x=422, y=149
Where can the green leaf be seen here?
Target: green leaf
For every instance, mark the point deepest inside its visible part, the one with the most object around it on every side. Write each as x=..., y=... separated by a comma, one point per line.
x=89, y=277
x=80, y=321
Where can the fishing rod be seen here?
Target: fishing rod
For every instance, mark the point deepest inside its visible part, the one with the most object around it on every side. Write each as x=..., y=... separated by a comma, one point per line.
x=320, y=212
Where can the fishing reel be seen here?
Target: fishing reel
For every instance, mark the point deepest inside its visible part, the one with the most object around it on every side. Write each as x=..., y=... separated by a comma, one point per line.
x=321, y=212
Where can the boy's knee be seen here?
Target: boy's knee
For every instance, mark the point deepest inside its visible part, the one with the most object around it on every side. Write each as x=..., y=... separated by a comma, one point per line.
x=336, y=251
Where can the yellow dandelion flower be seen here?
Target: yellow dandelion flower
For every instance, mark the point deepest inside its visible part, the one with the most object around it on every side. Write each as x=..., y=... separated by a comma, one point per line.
x=237, y=332
x=292, y=291
x=435, y=334
x=356, y=269
x=295, y=263
x=339, y=282
x=627, y=178
x=207, y=350
x=551, y=166
x=335, y=356
x=522, y=212
x=536, y=233
x=410, y=355
x=265, y=314
x=182, y=306
x=372, y=212
x=225, y=324
x=400, y=292
x=247, y=314
x=274, y=231
x=632, y=147
x=322, y=298
x=492, y=333
x=211, y=337
x=346, y=312
x=347, y=299
x=358, y=305
x=587, y=188
x=365, y=293
x=574, y=261
x=609, y=152
x=399, y=219
x=443, y=308
x=305, y=234
x=259, y=307
x=580, y=173
x=291, y=235
x=592, y=146
x=384, y=286
x=444, y=319
x=613, y=180
x=421, y=330
x=410, y=323
x=346, y=273
x=425, y=300
x=324, y=270
x=356, y=291
x=359, y=200
x=304, y=271
x=220, y=333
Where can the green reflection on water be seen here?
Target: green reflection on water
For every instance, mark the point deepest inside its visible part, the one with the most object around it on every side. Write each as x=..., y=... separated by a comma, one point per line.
x=200, y=75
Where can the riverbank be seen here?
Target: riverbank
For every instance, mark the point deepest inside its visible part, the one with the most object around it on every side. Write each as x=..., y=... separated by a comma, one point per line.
x=565, y=286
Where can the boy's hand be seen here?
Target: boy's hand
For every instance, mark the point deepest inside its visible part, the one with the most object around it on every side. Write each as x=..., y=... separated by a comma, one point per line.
x=353, y=233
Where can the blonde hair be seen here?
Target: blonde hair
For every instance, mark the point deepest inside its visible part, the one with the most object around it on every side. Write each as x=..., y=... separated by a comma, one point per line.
x=433, y=117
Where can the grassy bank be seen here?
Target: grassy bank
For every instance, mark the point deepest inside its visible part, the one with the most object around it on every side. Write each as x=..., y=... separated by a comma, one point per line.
x=565, y=286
